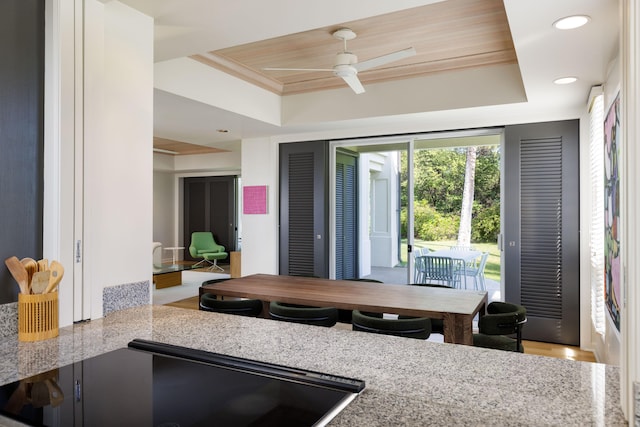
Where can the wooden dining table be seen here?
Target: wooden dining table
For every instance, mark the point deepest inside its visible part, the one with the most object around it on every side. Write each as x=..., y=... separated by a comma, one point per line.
x=455, y=307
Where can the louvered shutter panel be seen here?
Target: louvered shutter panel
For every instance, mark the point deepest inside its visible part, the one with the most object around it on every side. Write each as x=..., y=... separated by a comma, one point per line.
x=349, y=222
x=346, y=217
x=541, y=227
x=340, y=171
x=304, y=209
x=301, y=235
x=541, y=223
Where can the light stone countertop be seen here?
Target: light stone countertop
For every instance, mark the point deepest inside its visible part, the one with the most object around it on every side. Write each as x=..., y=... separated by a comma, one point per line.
x=408, y=382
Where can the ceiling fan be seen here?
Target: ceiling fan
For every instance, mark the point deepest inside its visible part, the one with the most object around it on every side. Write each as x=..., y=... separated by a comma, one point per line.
x=346, y=64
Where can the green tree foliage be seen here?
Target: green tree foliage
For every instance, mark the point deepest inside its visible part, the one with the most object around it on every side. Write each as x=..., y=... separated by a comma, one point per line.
x=438, y=185
x=429, y=224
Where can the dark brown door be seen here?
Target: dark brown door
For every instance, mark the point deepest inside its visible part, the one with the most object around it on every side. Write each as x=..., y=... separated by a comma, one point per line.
x=541, y=226
x=304, y=209
x=210, y=205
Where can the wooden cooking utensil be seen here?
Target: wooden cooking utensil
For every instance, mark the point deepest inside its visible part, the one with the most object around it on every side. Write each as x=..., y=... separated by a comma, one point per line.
x=31, y=266
x=43, y=264
x=40, y=394
x=55, y=393
x=40, y=281
x=57, y=271
x=19, y=273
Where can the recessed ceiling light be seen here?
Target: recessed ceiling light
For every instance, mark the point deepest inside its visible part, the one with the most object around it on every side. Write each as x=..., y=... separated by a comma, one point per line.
x=565, y=80
x=571, y=22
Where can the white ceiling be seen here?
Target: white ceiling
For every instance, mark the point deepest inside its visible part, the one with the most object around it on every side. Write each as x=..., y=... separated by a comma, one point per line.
x=460, y=100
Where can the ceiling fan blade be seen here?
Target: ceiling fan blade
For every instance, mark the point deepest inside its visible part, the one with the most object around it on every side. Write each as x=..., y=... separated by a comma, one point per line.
x=354, y=83
x=297, y=69
x=384, y=59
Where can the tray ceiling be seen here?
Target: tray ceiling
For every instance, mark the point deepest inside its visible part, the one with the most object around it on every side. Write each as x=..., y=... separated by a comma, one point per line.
x=447, y=36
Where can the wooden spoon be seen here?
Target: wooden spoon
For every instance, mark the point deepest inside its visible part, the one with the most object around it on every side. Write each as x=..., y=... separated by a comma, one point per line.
x=40, y=395
x=55, y=393
x=31, y=266
x=40, y=281
x=57, y=271
x=43, y=264
x=19, y=273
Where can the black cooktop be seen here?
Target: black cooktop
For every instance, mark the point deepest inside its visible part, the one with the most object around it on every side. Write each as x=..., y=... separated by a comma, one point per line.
x=155, y=384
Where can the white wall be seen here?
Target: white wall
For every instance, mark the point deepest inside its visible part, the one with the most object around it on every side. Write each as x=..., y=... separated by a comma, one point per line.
x=260, y=232
x=118, y=122
x=164, y=203
x=384, y=207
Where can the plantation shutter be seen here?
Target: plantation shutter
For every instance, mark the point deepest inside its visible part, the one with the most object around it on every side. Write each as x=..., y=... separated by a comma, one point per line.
x=303, y=209
x=301, y=214
x=346, y=217
x=541, y=225
x=596, y=241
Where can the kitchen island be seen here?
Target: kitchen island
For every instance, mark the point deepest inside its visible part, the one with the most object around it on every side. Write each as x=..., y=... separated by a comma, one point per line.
x=408, y=382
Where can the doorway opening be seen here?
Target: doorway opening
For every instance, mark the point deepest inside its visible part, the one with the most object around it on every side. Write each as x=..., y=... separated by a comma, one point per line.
x=408, y=191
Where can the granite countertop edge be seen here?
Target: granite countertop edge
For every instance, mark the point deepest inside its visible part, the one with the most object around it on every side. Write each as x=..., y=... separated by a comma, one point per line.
x=408, y=382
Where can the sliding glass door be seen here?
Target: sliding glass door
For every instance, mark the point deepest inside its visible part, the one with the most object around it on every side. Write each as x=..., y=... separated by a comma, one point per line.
x=376, y=197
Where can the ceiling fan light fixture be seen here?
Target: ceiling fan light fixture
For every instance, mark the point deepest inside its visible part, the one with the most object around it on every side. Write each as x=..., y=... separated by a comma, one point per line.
x=344, y=70
x=571, y=22
x=346, y=64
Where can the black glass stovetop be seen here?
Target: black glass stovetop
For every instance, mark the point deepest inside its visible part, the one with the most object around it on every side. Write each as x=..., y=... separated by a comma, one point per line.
x=155, y=384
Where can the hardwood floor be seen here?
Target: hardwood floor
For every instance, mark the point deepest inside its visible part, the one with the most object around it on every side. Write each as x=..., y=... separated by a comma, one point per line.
x=190, y=303
x=530, y=347
x=558, y=350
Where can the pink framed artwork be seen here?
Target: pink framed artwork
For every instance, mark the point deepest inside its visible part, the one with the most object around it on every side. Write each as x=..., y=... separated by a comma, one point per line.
x=254, y=199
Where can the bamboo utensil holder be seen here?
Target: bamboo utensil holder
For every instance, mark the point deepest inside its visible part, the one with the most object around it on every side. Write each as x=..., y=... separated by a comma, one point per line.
x=37, y=316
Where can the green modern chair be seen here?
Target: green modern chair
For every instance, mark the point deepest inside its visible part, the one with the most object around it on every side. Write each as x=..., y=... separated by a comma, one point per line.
x=502, y=319
x=203, y=246
x=409, y=327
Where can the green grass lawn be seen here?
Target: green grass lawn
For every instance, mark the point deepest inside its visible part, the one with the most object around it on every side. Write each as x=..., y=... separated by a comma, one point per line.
x=492, y=269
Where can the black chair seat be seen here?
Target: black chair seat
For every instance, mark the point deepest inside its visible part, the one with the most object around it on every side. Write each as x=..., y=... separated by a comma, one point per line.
x=502, y=319
x=437, y=325
x=344, y=315
x=242, y=307
x=319, y=316
x=409, y=327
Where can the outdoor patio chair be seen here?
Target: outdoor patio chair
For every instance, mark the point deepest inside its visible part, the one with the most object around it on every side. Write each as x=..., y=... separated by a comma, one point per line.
x=478, y=273
x=437, y=270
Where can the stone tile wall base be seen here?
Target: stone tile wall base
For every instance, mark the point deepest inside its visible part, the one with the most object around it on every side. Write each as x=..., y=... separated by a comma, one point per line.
x=125, y=296
x=8, y=320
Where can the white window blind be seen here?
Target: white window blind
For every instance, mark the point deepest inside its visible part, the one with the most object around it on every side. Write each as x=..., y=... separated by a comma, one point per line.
x=596, y=148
